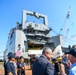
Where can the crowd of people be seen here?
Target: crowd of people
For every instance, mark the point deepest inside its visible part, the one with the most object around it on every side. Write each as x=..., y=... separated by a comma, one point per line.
x=46, y=64
x=61, y=65
x=14, y=66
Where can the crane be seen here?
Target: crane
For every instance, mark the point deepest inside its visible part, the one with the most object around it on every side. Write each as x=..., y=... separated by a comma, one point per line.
x=65, y=28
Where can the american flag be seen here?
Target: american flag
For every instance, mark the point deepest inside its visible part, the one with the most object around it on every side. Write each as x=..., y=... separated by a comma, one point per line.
x=18, y=52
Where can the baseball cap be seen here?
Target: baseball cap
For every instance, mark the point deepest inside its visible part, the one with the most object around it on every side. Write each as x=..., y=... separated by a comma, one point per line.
x=11, y=55
x=72, y=52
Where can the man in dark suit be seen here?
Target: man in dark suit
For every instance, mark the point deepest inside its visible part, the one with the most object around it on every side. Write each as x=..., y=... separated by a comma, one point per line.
x=42, y=65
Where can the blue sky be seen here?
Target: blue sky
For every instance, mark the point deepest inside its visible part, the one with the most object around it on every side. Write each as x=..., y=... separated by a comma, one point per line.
x=56, y=11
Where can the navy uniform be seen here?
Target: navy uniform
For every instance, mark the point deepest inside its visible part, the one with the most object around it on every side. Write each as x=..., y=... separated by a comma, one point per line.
x=9, y=66
x=20, y=70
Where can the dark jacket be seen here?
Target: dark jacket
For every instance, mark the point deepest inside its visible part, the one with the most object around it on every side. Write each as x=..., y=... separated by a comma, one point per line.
x=42, y=66
x=58, y=68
